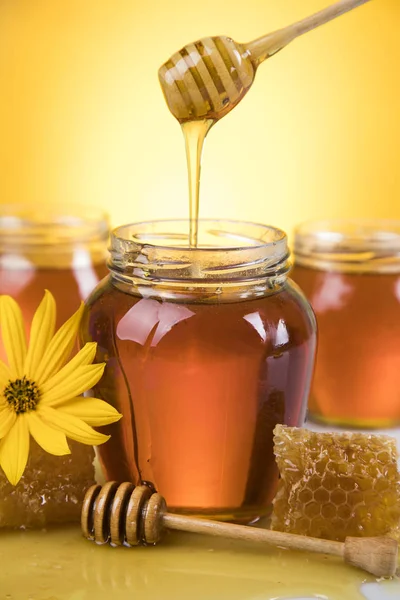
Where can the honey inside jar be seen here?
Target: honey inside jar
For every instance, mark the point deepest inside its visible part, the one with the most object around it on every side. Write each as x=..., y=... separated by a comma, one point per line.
x=62, y=250
x=350, y=272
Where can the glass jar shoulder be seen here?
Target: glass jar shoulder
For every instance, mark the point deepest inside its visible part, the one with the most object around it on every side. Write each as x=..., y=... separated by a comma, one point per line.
x=280, y=318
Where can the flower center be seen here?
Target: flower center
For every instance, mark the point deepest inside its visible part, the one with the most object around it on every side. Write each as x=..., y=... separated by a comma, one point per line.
x=22, y=395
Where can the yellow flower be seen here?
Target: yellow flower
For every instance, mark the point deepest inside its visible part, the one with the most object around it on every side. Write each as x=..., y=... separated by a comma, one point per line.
x=40, y=390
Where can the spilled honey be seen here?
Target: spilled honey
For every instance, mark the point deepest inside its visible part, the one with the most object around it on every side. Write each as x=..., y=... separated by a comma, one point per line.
x=61, y=565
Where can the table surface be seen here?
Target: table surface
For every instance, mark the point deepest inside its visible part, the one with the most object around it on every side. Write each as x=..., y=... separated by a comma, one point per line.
x=61, y=565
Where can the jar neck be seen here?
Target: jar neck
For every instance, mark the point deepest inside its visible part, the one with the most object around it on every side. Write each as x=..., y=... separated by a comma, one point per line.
x=47, y=237
x=349, y=246
x=232, y=260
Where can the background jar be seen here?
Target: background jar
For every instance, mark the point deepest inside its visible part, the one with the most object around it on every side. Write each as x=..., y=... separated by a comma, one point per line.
x=350, y=272
x=206, y=350
x=60, y=249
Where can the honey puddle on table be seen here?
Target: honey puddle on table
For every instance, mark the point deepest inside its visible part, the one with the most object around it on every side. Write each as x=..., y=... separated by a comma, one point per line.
x=61, y=565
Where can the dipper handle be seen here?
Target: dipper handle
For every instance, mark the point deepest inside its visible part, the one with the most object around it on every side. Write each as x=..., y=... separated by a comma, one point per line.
x=271, y=43
x=125, y=514
x=376, y=555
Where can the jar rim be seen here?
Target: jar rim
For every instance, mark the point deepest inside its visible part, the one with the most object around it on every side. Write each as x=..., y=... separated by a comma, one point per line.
x=354, y=230
x=229, y=252
x=51, y=226
x=122, y=231
x=363, y=244
x=65, y=214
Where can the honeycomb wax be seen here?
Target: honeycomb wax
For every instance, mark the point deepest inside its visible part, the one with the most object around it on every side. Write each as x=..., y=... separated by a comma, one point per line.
x=51, y=489
x=335, y=485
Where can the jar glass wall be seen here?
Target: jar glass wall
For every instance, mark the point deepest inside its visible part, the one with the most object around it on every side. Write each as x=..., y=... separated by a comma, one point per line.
x=63, y=250
x=206, y=350
x=350, y=272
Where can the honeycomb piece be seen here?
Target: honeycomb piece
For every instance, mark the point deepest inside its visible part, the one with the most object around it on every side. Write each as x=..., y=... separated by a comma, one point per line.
x=336, y=485
x=51, y=489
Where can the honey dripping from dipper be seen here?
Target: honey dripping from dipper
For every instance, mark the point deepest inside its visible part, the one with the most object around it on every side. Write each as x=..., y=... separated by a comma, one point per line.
x=205, y=80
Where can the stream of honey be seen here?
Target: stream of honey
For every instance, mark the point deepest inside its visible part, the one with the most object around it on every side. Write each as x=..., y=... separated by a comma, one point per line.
x=194, y=133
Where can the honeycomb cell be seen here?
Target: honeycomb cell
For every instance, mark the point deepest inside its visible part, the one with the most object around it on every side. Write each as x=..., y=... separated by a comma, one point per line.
x=338, y=497
x=344, y=512
x=383, y=458
x=320, y=466
x=312, y=509
x=330, y=466
x=348, y=484
x=358, y=468
x=305, y=496
x=304, y=522
x=329, y=482
x=358, y=493
x=314, y=482
x=328, y=510
x=342, y=467
x=374, y=470
x=321, y=496
x=368, y=458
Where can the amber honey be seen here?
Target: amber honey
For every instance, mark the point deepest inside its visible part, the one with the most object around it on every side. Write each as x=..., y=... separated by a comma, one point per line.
x=206, y=351
x=350, y=273
x=68, y=285
x=62, y=251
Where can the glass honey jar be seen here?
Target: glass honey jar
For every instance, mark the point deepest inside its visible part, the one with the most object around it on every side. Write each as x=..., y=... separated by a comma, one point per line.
x=207, y=348
x=62, y=249
x=350, y=272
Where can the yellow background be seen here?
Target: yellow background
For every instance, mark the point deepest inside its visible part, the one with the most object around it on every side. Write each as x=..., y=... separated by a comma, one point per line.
x=82, y=117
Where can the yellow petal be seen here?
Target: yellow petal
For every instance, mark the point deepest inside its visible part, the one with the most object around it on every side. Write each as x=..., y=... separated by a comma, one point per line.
x=4, y=375
x=13, y=334
x=14, y=450
x=42, y=330
x=59, y=349
x=82, y=380
x=7, y=420
x=51, y=440
x=91, y=410
x=83, y=358
x=73, y=427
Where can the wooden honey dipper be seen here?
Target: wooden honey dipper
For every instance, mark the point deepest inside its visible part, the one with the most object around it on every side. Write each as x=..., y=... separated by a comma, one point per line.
x=208, y=78
x=128, y=515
